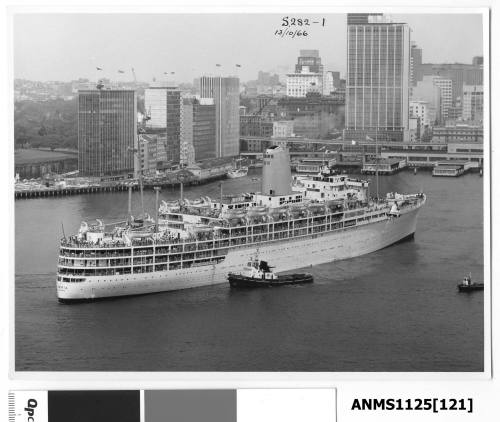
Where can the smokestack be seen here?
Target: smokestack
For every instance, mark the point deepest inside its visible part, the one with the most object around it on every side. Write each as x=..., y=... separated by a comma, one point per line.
x=276, y=172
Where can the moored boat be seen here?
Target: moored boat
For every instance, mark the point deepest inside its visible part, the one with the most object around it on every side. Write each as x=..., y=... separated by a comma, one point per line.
x=238, y=170
x=235, y=173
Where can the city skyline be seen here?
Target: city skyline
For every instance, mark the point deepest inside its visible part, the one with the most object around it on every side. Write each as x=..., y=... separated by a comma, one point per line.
x=112, y=46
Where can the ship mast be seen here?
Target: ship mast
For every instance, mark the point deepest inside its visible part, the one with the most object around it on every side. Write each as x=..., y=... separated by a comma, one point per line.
x=142, y=193
x=181, y=185
x=376, y=160
x=138, y=169
x=130, y=200
x=157, y=190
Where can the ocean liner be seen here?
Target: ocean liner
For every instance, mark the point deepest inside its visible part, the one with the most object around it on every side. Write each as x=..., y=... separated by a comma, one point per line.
x=292, y=223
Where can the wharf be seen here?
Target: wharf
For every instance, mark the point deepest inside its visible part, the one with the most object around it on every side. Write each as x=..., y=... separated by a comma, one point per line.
x=41, y=191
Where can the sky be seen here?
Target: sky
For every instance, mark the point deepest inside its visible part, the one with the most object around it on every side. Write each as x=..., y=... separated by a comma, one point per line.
x=65, y=47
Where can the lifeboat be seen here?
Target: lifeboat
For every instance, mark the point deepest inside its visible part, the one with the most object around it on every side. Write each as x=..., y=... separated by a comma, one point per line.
x=202, y=229
x=199, y=203
x=235, y=214
x=171, y=206
x=139, y=234
x=335, y=203
x=316, y=208
x=257, y=211
x=278, y=210
x=137, y=222
x=297, y=209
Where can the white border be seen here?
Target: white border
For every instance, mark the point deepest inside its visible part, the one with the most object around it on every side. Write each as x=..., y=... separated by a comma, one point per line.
x=141, y=380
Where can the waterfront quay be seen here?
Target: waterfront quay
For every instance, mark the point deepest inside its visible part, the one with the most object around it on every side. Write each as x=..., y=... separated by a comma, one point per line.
x=354, y=154
x=36, y=189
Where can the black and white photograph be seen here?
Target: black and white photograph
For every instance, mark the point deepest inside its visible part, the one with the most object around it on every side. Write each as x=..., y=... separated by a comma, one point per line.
x=251, y=192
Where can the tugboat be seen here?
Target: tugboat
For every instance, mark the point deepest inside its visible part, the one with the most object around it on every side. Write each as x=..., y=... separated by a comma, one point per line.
x=259, y=274
x=468, y=286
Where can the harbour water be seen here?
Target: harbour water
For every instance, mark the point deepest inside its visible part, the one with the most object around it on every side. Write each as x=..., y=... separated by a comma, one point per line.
x=397, y=309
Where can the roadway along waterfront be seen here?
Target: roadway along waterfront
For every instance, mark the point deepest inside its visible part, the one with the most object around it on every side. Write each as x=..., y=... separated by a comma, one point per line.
x=397, y=309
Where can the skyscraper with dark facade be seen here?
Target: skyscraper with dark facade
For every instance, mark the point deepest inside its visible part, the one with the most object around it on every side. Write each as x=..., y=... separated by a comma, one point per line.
x=203, y=130
x=378, y=74
x=198, y=128
x=107, y=131
x=225, y=91
x=415, y=64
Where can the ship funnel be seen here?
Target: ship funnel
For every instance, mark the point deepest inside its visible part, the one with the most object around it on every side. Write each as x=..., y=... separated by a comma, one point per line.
x=276, y=173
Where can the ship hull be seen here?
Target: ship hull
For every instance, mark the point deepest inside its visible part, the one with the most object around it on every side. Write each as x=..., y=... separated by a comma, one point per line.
x=286, y=255
x=241, y=281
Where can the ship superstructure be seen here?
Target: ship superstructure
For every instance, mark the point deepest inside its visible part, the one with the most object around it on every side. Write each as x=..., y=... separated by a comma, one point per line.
x=196, y=243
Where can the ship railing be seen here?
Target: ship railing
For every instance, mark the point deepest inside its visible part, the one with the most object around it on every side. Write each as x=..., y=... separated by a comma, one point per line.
x=175, y=256
x=169, y=239
x=86, y=244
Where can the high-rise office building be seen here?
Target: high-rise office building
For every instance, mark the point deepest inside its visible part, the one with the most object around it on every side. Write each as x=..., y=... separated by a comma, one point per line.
x=198, y=130
x=363, y=18
x=446, y=87
x=377, y=86
x=415, y=64
x=107, y=131
x=225, y=91
x=204, y=133
x=187, y=149
x=473, y=102
x=155, y=105
x=163, y=108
